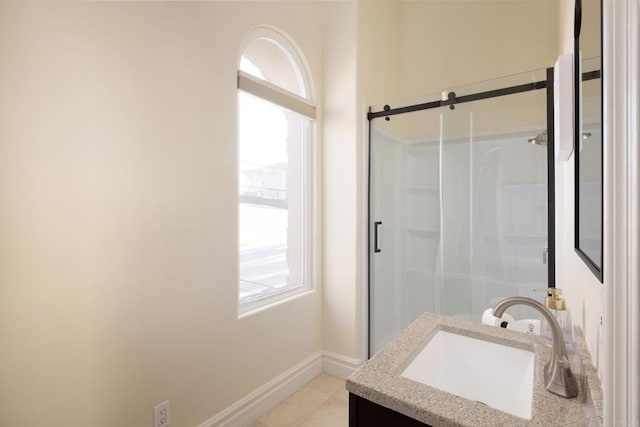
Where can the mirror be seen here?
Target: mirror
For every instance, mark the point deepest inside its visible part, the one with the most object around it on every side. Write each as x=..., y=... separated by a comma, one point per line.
x=588, y=133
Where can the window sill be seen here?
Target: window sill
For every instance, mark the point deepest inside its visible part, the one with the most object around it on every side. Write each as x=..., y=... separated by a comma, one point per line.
x=250, y=308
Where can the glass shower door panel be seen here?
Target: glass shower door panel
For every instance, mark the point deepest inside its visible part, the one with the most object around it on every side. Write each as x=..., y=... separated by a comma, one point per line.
x=404, y=222
x=522, y=208
x=387, y=275
x=494, y=194
x=422, y=236
x=454, y=278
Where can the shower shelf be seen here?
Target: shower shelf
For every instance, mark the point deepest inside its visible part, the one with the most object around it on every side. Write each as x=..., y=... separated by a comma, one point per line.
x=523, y=235
x=421, y=271
x=423, y=230
x=423, y=189
x=525, y=185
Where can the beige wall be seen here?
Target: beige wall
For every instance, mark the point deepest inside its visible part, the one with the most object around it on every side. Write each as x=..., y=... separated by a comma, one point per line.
x=471, y=46
x=582, y=289
x=379, y=66
x=362, y=63
x=450, y=43
x=118, y=220
x=341, y=333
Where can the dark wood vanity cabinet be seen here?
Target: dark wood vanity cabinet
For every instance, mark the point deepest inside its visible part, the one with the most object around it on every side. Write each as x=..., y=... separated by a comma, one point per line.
x=364, y=413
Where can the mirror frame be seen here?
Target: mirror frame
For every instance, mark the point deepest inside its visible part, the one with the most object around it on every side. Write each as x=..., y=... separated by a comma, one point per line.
x=596, y=266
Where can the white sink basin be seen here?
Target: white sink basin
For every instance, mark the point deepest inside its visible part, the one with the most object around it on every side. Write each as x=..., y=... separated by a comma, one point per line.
x=496, y=375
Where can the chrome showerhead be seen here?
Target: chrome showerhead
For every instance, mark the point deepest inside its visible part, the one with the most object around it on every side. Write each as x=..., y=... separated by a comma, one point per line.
x=540, y=139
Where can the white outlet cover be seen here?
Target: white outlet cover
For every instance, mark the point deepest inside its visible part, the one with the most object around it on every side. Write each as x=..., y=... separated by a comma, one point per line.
x=161, y=414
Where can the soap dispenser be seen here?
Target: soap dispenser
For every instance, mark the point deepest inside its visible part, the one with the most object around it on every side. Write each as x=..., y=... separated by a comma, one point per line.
x=558, y=308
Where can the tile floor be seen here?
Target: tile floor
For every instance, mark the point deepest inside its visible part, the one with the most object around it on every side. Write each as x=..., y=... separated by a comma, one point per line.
x=323, y=402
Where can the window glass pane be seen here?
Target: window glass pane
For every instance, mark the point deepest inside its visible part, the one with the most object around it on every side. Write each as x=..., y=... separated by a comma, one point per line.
x=264, y=59
x=272, y=178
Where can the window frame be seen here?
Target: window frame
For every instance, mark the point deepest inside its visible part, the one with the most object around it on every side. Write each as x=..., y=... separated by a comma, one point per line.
x=305, y=107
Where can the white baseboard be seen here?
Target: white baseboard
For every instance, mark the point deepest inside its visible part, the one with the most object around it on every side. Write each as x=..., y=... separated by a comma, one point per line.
x=250, y=408
x=338, y=365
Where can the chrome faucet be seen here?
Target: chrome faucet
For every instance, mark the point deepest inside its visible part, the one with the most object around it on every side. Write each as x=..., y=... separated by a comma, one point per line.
x=558, y=378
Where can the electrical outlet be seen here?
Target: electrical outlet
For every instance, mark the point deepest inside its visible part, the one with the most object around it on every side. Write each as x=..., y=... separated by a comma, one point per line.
x=161, y=414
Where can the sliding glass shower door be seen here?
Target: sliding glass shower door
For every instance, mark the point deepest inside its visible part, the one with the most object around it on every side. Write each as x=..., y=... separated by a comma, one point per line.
x=405, y=227
x=458, y=208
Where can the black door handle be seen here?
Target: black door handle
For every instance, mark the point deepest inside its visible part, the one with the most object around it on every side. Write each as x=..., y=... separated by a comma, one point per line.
x=376, y=249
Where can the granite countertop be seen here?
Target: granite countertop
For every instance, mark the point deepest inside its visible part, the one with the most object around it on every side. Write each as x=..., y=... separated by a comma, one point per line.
x=379, y=380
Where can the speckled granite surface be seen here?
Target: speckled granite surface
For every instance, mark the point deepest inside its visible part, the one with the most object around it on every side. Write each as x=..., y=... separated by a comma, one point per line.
x=379, y=380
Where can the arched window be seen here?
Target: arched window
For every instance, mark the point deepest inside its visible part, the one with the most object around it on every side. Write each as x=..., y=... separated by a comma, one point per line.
x=275, y=117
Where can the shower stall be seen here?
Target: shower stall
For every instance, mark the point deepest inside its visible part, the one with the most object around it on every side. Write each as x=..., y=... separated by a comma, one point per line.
x=460, y=202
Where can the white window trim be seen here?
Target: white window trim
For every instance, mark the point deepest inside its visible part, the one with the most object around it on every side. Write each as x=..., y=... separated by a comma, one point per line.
x=272, y=300
x=291, y=50
x=621, y=320
x=306, y=108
